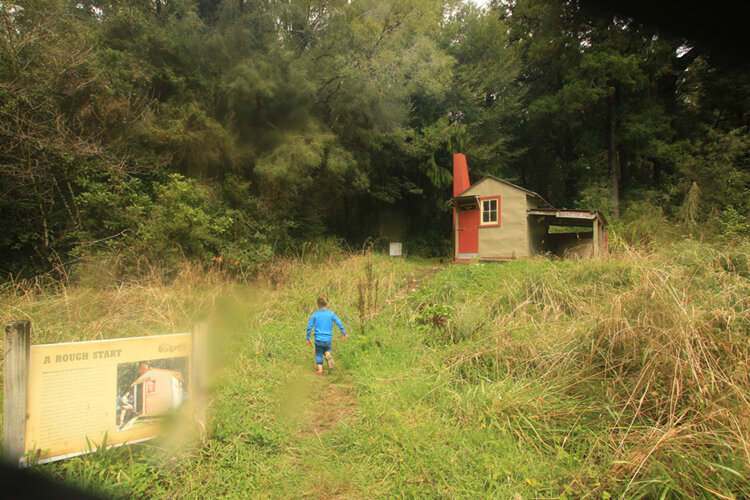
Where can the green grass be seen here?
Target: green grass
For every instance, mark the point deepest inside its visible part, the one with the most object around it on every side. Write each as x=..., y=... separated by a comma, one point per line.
x=625, y=377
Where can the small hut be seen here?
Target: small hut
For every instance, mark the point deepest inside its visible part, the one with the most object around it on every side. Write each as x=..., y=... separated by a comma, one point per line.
x=157, y=391
x=497, y=220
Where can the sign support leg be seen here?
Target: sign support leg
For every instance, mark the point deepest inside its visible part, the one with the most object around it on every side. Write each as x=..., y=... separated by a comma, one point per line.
x=200, y=373
x=15, y=389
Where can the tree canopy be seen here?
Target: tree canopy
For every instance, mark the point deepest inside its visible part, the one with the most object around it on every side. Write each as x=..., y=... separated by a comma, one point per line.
x=237, y=129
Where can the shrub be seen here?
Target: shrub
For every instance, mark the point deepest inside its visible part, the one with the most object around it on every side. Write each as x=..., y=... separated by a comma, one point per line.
x=182, y=222
x=732, y=224
x=641, y=223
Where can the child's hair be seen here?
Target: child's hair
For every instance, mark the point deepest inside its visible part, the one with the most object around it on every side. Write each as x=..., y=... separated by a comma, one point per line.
x=322, y=301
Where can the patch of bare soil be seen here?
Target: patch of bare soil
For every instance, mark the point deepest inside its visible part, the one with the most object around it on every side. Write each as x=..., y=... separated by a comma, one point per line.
x=415, y=281
x=335, y=488
x=334, y=404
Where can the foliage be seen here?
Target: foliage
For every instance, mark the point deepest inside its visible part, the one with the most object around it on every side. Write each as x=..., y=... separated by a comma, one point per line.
x=733, y=225
x=595, y=197
x=719, y=168
x=621, y=377
x=643, y=224
x=182, y=221
x=295, y=121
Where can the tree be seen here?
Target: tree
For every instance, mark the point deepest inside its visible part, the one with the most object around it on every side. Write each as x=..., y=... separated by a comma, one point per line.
x=602, y=100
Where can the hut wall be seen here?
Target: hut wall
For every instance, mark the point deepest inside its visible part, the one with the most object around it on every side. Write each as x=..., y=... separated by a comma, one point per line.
x=160, y=400
x=537, y=235
x=509, y=239
x=575, y=245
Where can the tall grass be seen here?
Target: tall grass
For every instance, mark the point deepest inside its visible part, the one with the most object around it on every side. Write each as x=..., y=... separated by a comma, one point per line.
x=623, y=377
x=646, y=355
x=96, y=308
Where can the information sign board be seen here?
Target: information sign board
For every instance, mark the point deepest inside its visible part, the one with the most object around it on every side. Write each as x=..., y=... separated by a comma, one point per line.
x=80, y=392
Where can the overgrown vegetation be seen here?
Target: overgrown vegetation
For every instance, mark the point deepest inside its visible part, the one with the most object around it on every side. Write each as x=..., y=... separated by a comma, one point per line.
x=622, y=377
x=633, y=369
x=173, y=161
x=235, y=131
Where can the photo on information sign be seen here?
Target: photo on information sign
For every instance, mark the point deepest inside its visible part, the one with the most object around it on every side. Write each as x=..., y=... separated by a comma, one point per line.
x=150, y=389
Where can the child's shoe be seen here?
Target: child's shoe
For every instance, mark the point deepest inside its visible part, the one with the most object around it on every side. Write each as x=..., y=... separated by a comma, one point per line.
x=329, y=358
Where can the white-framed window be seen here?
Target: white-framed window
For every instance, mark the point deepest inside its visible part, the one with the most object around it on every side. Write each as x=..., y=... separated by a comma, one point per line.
x=490, y=211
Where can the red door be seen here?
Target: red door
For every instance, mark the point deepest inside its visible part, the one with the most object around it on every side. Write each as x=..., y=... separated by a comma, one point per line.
x=468, y=235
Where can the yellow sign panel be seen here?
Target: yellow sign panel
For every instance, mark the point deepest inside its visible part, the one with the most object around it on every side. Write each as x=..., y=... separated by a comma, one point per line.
x=81, y=391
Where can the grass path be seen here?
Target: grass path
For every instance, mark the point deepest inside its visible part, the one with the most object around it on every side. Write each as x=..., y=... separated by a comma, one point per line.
x=325, y=413
x=334, y=404
x=305, y=436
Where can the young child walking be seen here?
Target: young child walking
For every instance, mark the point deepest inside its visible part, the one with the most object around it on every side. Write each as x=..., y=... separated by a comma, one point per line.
x=321, y=322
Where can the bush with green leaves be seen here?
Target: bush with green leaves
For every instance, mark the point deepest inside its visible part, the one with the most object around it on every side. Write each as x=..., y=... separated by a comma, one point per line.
x=732, y=224
x=183, y=222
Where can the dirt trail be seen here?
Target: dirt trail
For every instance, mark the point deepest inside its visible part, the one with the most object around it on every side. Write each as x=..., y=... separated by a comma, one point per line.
x=334, y=403
x=415, y=281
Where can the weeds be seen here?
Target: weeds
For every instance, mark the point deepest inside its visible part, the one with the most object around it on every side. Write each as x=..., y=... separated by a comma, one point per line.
x=655, y=346
x=618, y=378
x=367, y=297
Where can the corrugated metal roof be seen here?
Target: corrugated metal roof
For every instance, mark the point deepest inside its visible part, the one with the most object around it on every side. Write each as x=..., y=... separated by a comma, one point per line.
x=570, y=215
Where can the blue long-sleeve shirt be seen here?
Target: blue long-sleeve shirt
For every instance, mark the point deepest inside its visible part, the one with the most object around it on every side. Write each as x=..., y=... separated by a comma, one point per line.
x=322, y=321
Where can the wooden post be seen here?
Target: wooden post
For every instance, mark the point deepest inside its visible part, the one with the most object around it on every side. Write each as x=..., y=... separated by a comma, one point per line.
x=200, y=373
x=597, y=240
x=15, y=389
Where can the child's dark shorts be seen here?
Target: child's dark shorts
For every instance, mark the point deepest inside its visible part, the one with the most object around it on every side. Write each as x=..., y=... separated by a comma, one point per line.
x=320, y=349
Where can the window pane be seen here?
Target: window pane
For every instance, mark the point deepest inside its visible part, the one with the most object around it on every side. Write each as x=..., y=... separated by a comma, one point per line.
x=489, y=211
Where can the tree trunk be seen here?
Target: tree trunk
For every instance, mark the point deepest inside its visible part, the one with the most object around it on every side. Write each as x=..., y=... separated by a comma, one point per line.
x=614, y=171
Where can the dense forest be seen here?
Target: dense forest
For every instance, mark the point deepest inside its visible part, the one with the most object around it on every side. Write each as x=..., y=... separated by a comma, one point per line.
x=225, y=132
